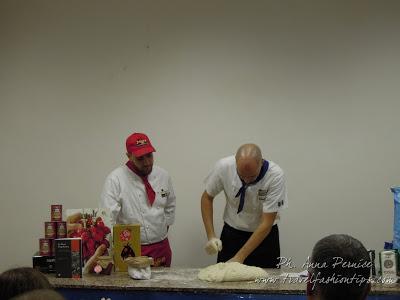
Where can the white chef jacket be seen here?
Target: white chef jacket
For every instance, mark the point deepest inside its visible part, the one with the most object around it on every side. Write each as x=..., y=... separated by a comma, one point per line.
x=124, y=194
x=267, y=195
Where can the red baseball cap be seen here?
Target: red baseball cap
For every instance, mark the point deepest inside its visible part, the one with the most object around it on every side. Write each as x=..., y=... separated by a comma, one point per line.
x=139, y=144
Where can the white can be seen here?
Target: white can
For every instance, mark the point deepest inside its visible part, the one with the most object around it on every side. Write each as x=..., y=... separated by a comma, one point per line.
x=388, y=264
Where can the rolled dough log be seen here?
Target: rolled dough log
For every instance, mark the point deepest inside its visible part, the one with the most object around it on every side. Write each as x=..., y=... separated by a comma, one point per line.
x=231, y=271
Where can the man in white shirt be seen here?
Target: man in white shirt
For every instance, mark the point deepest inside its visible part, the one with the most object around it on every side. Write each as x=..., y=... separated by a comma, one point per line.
x=255, y=192
x=139, y=192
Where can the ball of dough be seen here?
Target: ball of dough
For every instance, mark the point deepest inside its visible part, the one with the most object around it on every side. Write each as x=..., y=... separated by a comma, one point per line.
x=231, y=271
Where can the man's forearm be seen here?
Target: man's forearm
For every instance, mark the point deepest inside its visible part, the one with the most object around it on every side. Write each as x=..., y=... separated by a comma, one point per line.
x=257, y=237
x=207, y=214
x=253, y=242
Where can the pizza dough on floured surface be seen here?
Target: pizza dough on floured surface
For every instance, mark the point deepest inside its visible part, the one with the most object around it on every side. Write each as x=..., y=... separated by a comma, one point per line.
x=231, y=271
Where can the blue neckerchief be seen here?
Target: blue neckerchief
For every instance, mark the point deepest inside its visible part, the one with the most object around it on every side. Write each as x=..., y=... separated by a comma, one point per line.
x=242, y=190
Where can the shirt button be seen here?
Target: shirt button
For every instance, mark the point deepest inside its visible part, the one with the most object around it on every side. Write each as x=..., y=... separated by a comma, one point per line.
x=147, y=226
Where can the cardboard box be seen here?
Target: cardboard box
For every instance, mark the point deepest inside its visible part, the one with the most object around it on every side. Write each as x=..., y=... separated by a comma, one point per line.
x=126, y=242
x=68, y=254
x=45, y=264
x=93, y=225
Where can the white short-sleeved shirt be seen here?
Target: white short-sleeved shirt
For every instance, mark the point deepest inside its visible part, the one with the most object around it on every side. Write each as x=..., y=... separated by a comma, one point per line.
x=267, y=195
x=124, y=194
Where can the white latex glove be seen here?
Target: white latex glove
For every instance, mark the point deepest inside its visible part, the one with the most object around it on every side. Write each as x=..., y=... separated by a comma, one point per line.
x=213, y=246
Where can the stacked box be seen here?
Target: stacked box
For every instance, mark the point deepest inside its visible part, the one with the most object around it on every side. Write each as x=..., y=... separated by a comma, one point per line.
x=50, y=230
x=45, y=264
x=53, y=229
x=126, y=242
x=46, y=247
x=56, y=213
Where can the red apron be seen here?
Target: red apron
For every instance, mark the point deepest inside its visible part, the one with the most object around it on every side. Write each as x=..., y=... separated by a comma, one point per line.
x=160, y=252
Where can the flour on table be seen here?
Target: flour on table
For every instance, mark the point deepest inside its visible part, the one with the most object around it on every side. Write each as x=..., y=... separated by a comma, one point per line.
x=231, y=271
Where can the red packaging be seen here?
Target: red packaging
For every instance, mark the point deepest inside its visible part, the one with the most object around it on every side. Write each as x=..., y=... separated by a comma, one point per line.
x=56, y=213
x=50, y=230
x=46, y=247
x=61, y=230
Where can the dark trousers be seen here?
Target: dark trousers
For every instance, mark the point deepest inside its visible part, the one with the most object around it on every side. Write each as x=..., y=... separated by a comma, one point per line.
x=264, y=256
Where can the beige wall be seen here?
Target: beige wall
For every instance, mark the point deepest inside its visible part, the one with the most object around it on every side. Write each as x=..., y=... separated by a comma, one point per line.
x=314, y=83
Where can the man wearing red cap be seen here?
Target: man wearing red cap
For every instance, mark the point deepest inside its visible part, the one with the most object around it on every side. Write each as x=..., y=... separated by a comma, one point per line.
x=139, y=192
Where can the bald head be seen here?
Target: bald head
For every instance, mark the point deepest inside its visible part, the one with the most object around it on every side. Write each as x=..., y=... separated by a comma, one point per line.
x=248, y=162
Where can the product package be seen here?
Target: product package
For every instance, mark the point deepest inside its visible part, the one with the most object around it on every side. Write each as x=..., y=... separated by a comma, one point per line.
x=92, y=225
x=45, y=264
x=68, y=253
x=126, y=241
